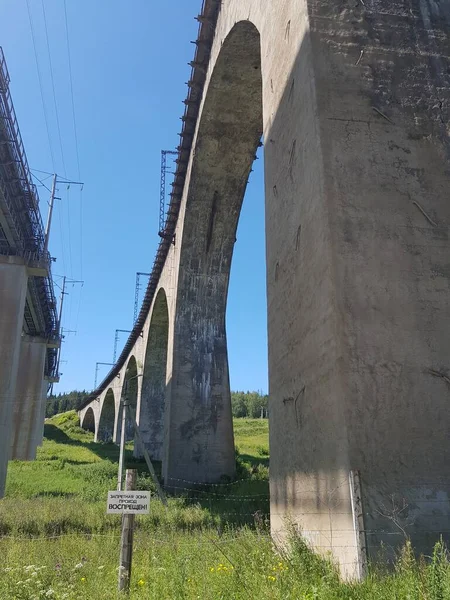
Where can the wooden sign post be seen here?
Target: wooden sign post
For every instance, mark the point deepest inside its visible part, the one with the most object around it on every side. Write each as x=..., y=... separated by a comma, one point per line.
x=126, y=543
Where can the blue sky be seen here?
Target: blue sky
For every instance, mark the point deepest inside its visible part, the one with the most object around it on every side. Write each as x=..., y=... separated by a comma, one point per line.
x=129, y=68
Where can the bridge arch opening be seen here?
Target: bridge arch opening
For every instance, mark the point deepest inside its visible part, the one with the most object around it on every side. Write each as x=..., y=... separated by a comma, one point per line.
x=107, y=418
x=88, y=422
x=130, y=389
x=153, y=393
x=229, y=134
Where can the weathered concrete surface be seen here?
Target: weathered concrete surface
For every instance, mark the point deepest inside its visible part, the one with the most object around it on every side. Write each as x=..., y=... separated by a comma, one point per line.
x=200, y=435
x=357, y=274
x=107, y=419
x=353, y=101
x=41, y=419
x=27, y=418
x=385, y=147
x=152, y=401
x=129, y=391
x=13, y=288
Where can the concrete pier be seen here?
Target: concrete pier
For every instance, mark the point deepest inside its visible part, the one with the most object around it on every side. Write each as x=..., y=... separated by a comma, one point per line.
x=152, y=400
x=13, y=289
x=41, y=421
x=27, y=419
x=353, y=103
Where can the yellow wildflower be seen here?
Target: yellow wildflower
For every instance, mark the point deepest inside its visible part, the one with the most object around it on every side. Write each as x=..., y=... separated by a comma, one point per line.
x=141, y=582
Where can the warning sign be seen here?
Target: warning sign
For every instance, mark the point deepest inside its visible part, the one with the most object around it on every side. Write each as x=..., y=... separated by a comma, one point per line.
x=136, y=503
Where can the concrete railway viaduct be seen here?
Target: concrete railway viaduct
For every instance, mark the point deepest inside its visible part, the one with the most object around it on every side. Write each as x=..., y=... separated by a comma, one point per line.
x=29, y=328
x=352, y=100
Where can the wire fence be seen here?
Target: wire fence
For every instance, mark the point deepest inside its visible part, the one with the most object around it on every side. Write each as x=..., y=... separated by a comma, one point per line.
x=212, y=515
x=345, y=514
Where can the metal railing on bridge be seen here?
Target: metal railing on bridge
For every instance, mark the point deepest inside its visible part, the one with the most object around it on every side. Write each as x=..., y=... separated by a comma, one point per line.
x=19, y=201
x=207, y=23
x=12, y=154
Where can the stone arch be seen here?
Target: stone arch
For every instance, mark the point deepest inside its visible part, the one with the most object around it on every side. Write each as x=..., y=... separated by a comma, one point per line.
x=200, y=429
x=129, y=388
x=107, y=418
x=153, y=392
x=88, y=421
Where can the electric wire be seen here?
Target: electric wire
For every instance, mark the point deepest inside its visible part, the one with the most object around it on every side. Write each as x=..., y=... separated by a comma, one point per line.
x=69, y=237
x=78, y=309
x=60, y=177
x=81, y=232
x=75, y=131
x=42, y=182
x=52, y=156
x=53, y=88
x=70, y=298
x=44, y=172
x=69, y=244
x=61, y=239
x=71, y=89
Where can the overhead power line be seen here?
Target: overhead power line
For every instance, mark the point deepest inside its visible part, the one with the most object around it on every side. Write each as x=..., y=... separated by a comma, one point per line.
x=71, y=89
x=40, y=85
x=60, y=178
x=41, y=182
x=53, y=88
x=75, y=131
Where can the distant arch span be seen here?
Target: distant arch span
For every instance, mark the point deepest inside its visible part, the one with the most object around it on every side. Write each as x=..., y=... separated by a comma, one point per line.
x=152, y=406
x=89, y=420
x=107, y=418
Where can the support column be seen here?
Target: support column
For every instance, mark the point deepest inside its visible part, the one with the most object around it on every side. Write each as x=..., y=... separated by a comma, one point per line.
x=199, y=427
x=27, y=419
x=152, y=404
x=41, y=421
x=13, y=289
x=358, y=242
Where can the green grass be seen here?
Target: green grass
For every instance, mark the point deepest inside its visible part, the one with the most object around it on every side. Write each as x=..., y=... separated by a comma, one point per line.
x=252, y=440
x=57, y=542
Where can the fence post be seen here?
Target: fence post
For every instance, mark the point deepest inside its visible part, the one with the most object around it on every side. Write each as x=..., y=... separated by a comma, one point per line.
x=358, y=522
x=126, y=542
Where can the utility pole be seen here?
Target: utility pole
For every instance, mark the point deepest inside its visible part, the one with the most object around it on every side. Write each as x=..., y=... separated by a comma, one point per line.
x=63, y=291
x=162, y=193
x=50, y=208
x=136, y=293
x=97, y=364
x=116, y=341
x=59, y=328
x=50, y=214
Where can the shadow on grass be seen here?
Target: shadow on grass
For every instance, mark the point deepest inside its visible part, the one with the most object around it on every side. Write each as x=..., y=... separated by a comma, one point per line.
x=255, y=460
x=104, y=450
x=245, y=502
x=249, y=505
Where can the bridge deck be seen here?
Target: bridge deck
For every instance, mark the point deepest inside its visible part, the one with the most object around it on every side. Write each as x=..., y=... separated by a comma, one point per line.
x=21, y=227
x=207, y=20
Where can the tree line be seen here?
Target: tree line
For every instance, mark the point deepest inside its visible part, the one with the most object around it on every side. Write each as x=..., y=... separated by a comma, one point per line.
x=253, y=405
x=59, y=403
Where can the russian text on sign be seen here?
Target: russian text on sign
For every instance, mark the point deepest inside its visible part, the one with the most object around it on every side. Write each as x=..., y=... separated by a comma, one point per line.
x=135, y=502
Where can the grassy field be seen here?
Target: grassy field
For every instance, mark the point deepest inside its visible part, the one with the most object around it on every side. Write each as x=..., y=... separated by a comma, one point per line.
x=57, y=542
